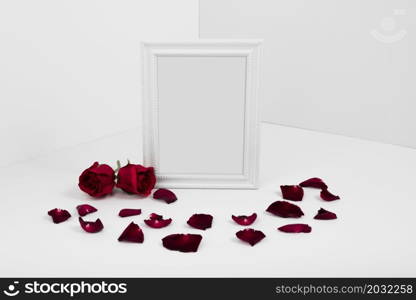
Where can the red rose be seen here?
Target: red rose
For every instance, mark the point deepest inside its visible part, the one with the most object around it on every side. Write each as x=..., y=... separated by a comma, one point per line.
x=98, y=180
x=136, y=179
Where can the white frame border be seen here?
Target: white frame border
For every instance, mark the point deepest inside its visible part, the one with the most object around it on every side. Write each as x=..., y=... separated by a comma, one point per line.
x=251, y=50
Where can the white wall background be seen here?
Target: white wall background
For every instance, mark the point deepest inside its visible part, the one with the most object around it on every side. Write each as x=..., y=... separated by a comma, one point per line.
x=323, y=68
x=70, y=70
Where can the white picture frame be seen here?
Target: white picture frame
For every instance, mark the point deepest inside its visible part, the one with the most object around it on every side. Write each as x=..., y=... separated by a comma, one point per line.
x=223, y=75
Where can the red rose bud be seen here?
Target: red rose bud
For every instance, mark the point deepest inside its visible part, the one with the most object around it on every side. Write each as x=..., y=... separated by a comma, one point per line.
x=98, y=180
x=136, y=179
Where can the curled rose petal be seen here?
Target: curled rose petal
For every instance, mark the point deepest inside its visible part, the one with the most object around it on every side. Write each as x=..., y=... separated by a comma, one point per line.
x=182, y=242
x=127, y=212
x=157, y=221
x=327, y=196
x=285, y=209
x=85, y=209
x=314, y=182
x=200, y=221
x=164, y=194
x=296, y=228
x=250, y=236
x=91, y=227
x=59, y=215
x=132, y=233
x=245, y=220
x=292, y=192
x=324, y=214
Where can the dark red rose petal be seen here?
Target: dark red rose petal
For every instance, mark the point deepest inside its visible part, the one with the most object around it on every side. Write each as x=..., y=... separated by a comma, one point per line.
x=182, y=242
x=314, y=182
x=164, y=194
x=250, y=236
x=59, y=215
x=296, y=228
x=324, y=214
x=245, y=220
x=327, y=196
x=157, y=221
x=85, y=209
x=91, y=227
x=132, y=234
x=292, y=192
x=200, y=221
x=285, y=209
x=127, y=212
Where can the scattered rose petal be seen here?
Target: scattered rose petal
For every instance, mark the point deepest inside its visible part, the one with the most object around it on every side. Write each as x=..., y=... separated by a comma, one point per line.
x=200, y=221
x=285, y=209
x=91, y=227
x=327, y=196
x=245, y=220
x=250, y=236
x=296, y=228
x=128, y=212
x=157, y=221
x=292, y=192
x=314, y=182
x=324, y=214
x=182, y=242
x=85, y=209
x=98, y=180
x=164, y=194
x=59, y=215
x=132, y=234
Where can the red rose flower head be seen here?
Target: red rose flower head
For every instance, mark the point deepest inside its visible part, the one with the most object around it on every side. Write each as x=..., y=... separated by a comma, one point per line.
x=85, y=209
x=91, y=227
x=327, y=196
x=292, y=192
x=182, y=242
x=132, y=234
x=136, y=179
x=128, y=212
x=98, y=180
x=296, y=228
x=285, y=209
x=250, y=236
x=166, y=195
x=324, y=214
x=59, y=215
x=314, y=182
x=245, y=220
x=200, y=221
x=157, y=221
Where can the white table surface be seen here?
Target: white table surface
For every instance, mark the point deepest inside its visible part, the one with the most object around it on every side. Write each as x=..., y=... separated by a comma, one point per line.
x=374, y=235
